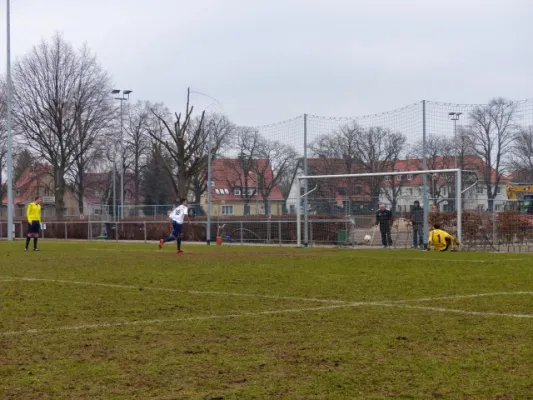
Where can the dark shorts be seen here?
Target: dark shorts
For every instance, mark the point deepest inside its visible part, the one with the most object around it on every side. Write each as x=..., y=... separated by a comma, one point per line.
x=34, y=228
x=177, y=229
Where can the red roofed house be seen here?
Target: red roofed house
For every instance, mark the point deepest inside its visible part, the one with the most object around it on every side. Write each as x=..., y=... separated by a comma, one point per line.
x=38, y=181
x=238, y=189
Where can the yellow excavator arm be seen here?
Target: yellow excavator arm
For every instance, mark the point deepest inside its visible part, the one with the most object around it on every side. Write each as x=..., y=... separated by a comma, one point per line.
x=515, y=191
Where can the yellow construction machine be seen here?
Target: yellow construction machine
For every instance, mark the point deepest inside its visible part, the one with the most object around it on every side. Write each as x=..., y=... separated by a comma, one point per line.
x=520, y=198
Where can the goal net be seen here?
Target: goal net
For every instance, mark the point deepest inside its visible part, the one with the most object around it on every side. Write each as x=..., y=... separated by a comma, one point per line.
x=342, y=208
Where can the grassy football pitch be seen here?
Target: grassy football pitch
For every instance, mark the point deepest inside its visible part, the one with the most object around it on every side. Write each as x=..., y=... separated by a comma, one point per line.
x=128, y=321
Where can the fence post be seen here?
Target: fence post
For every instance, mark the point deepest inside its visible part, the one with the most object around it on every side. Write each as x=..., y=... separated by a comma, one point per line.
x=21, y=230
x=494, y=230
x=242, y=239
x=144, y=231
x=310, y=233
x=279, y=231
x=306, y=188
x=66, y=236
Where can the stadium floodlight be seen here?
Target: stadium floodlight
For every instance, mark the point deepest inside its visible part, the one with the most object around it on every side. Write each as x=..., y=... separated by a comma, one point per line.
x=454, y=116
x=124, y=97
x=383, y=175
x=10, y=200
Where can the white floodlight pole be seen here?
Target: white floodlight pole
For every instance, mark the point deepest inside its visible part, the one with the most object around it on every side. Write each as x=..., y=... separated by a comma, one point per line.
x=10, y=203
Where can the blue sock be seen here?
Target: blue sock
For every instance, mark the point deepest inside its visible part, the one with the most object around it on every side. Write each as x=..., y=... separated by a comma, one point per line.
x=179, y=243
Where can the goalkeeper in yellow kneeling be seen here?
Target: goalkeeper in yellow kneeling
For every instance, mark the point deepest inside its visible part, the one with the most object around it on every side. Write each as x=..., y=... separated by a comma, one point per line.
x=441, y=240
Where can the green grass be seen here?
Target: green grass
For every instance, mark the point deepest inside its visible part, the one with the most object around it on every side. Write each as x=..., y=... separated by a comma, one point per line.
x=127, y=321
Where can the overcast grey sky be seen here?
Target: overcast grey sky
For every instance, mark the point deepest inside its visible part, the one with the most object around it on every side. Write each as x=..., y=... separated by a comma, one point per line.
x=271, y=60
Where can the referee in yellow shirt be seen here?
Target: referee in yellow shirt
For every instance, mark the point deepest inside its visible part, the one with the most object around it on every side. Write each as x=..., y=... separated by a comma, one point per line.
x=441, y=240
x=33, y=215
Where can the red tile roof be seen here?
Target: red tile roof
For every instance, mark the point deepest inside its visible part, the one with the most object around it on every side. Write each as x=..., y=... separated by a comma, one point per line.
x=94, y=183
x=227, y=174
x=28, y=182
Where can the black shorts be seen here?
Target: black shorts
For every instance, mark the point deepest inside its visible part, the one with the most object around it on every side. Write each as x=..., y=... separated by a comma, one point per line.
x=34, y=227
x=177, y=229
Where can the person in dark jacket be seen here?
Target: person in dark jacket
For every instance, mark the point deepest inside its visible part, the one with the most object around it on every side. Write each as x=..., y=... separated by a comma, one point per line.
x=384, y=221
x=417, y=220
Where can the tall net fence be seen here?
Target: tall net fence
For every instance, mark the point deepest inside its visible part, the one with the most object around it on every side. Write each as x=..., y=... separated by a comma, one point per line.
x=255, y=193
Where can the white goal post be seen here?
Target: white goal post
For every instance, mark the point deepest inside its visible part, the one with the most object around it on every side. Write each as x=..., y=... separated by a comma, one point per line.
x=458, y=195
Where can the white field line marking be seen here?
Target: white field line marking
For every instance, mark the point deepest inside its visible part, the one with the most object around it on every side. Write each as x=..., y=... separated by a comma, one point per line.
x=366, y=257
x=461, y=296
x=450, y=310
x=397, y=303
x=254, y=314
x=196, y=292
x=160, y=321
x=273, y=297
x=447, y=260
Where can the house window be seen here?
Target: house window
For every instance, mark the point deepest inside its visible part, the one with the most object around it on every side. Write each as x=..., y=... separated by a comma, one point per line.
x=410, y=177
x=226, y=191
x=251, y=192
x=387, y=178
x=410, y=191
x=236, y=191
x=480, y=190
x=212, y=183
x=227, y=210
x=217, y=191
x=399, y=177
x=498, y=190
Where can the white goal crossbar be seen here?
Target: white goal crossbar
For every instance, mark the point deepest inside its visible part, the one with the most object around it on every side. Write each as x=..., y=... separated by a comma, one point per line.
x=458, y=193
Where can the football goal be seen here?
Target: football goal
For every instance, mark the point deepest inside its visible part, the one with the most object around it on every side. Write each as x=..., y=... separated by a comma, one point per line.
x=344, y=206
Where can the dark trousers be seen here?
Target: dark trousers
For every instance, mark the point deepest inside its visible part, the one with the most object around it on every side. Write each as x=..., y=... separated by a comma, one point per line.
x=418, y=231
x=386, y=239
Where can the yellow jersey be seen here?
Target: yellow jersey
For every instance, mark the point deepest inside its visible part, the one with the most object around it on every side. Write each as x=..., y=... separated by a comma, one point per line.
x=438, y=238
x=33, y=212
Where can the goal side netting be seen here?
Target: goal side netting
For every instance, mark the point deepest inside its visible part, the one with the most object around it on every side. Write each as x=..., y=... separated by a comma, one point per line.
x=342, y=208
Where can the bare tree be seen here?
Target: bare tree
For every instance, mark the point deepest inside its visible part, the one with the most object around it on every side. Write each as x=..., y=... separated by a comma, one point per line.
x=137, y=144
x=22, y=160
x=439, y=155
x=275, y=161
x=181, y=142
x=61, y=105
x=221, y=130
x=491, y=130
x=242, y=177
x=522, y=151
x=365, y=150
x=391, y=188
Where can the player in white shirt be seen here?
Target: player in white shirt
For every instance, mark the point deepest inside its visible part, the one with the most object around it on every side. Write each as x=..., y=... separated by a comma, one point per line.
x=177, y=216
